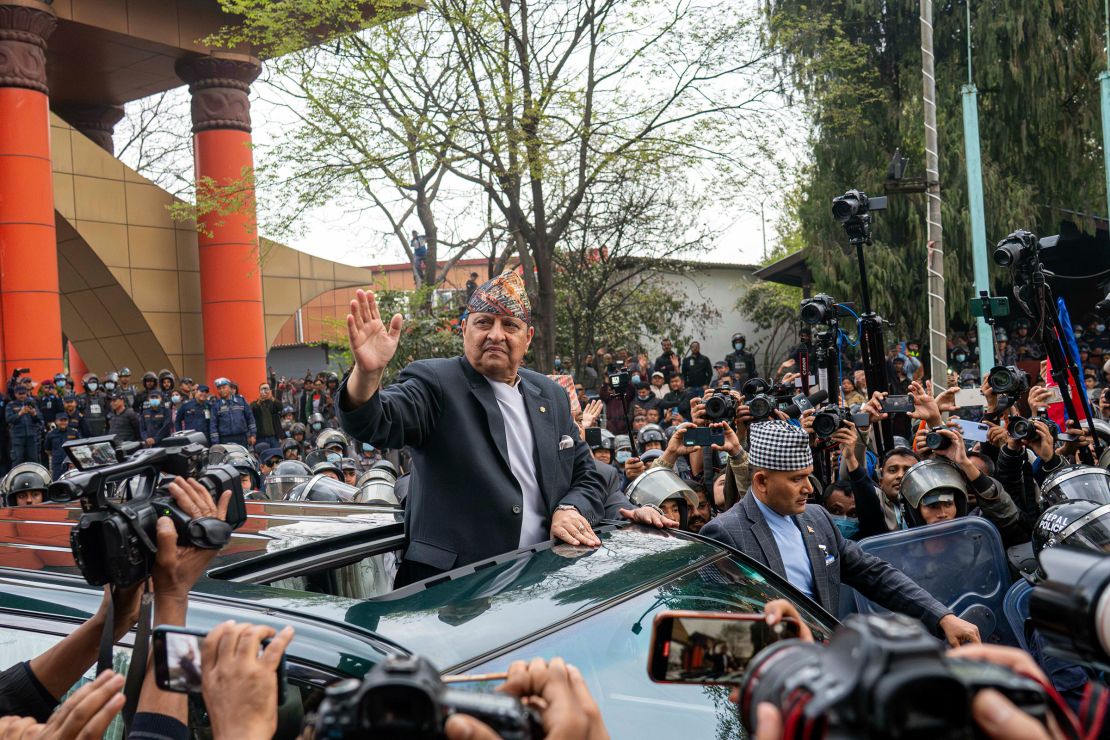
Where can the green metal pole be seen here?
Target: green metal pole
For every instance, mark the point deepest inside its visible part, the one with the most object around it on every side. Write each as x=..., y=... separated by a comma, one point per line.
x=1104, y=89
x=978, y=222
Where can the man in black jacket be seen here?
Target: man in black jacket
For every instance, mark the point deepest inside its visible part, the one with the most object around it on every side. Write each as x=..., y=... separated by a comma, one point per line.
x=697, y=371
x=267, y=416
x=497, y=459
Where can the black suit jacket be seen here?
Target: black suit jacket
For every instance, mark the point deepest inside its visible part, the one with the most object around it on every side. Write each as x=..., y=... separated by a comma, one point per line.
x=833, y=558
x=464, y=504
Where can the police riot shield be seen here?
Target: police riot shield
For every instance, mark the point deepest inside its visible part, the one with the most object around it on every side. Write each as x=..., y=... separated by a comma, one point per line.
x=960, y=562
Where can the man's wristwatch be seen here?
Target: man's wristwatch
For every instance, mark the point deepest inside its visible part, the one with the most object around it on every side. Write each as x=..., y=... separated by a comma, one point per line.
x=567, y=507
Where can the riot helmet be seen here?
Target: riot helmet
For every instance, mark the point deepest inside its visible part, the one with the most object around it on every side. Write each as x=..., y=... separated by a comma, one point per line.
x=327, y=466
x=220, y=452
x=90, y=382
x=286, y=475
x=246, y=465
x=932, y=481
x=150, y=380
x=25, y=479
x=111, y=382
x=376, y=486
x=608, y=441
x=651, y=433
x=316, y=421
x=1075, y=523
x=290, y=444
x=330, y=437
x=322, y=488
x=1076, y=482
x=738, y=341
x=656, y=485
x=166, y=380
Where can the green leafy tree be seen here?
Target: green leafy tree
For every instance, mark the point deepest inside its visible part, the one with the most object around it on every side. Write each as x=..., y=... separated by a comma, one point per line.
x=773, y=308
x=857, y=67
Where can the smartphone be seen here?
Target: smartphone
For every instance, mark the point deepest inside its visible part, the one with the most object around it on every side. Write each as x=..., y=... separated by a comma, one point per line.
x=897, y=404
x=972, y=431
x=593, y=437
x=177, y=664
x=703, y=437
x=999, y=306
x=710, y=647
x=966, y=397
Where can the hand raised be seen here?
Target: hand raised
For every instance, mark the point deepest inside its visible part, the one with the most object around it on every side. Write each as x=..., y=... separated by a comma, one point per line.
x=373, y=344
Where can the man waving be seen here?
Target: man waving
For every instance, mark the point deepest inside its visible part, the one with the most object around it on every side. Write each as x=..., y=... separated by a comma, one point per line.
x=497, y=460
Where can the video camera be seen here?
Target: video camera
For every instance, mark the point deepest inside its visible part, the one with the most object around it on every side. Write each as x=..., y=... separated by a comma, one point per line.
x=404, y=696
x=617, y=377
x=878, y=677
x=118, y=484
x=765, y=398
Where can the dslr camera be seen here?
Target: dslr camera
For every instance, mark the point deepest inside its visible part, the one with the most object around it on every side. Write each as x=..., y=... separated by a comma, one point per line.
x=122, y=497
x=1019, y=248
x=1008, y=380
x=404, y=696
x=1069, y=605
x=934, y=440
x=828, y=420
x=820, y=309
x=764, y=398
x=721, y=406
x=878, y=677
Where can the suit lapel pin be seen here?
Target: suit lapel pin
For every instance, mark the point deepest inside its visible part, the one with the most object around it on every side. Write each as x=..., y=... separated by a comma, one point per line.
x=810, y=529
x=543, y=410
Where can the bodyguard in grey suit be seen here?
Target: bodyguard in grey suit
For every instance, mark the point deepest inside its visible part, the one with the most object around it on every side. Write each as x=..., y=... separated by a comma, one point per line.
x=773, y=525
x=497, y=459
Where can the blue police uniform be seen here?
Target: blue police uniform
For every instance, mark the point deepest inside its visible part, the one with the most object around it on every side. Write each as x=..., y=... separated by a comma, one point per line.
x=54, y=441
x=232, y=421
x=154, y=423
x=51, y=406
x=193, y=416
x=24, y=430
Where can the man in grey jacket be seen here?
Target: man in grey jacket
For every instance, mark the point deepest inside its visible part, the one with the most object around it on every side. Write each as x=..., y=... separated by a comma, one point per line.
x=773, y=525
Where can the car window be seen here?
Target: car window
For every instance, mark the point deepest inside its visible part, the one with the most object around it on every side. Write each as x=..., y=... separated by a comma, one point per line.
x=304, y=689
x=611, y=649
x=371, y=576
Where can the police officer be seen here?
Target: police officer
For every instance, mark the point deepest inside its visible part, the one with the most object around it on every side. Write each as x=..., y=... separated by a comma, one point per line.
x=111, y=382
x=154, y=421
x=150, y=382
x=741, y=362
x=123, y=422
x=50, y=403
x=93, y=405
x=58, y=436
x=290, y=450
x=24, y=427
x=195, y=414
x=125, y=386
x=166, y=382
x=232, y=421
x=76, y=418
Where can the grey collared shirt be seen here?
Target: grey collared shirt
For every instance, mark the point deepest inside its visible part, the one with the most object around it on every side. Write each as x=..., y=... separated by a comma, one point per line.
x=521, y=442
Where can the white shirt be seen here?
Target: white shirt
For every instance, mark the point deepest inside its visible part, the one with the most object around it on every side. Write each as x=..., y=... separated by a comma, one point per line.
x=518, y=436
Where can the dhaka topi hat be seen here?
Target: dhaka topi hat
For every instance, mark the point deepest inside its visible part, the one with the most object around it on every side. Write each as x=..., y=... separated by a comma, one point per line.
x=503, y=295
x=779, y=445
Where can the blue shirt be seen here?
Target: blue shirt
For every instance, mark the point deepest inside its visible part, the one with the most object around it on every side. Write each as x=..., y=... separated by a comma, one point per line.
x=792, y=548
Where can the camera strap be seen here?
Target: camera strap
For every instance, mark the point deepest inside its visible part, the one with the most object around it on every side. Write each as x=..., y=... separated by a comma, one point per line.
x=140, y=652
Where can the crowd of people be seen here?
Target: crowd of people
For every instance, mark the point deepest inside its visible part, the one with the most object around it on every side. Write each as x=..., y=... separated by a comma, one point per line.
x=681, y=442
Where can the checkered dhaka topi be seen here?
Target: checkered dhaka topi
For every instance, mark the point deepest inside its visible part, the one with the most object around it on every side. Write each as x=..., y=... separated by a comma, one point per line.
x=503, y=295
x=779, y=445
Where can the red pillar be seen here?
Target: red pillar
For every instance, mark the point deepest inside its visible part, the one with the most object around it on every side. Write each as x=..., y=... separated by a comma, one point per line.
x=30, y=312
x=77, y=366
x=230, y=271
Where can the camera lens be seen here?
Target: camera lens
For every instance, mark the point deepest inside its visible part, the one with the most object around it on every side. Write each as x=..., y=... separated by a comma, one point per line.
x=760, y=407
x=844, y=207
x=770, y=672
x=1002, y=380
x=812, y=313
x=1006, y=254
x=826, y=423
x=937, y=441
x=1020, y=428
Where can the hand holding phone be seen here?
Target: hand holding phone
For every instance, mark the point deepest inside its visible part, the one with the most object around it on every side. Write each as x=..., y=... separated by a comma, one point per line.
x=711, y=647
x=897, y=405
x=703, y=437
x=181, y=654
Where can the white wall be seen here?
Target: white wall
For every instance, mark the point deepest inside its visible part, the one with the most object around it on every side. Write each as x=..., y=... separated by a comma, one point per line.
x=720, y=286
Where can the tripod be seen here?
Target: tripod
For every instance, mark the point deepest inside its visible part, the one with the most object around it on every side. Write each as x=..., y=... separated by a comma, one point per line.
x=1034, y=292
x=871, y=343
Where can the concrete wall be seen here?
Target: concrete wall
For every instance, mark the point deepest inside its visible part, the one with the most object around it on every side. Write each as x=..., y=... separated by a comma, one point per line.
x=292, y=362
x=721, y=286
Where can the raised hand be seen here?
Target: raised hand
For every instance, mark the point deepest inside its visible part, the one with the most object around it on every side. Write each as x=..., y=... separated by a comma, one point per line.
x=373, y=344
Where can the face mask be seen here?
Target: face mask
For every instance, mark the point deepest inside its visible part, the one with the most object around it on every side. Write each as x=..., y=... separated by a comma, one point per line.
x=93, y=386
x=59, y=383
x=738, y=346
x=109, y=385
x=961, y=358
x=155, y=402
x=623, y=456
x=317, y=427
x=1100, y=328
x=334, y=457
x=175, y=398
x=848, y=526
x=367, y=447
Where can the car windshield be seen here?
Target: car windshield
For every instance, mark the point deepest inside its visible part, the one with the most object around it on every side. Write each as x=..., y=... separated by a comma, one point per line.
x=611, y=650
x=459, y=622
